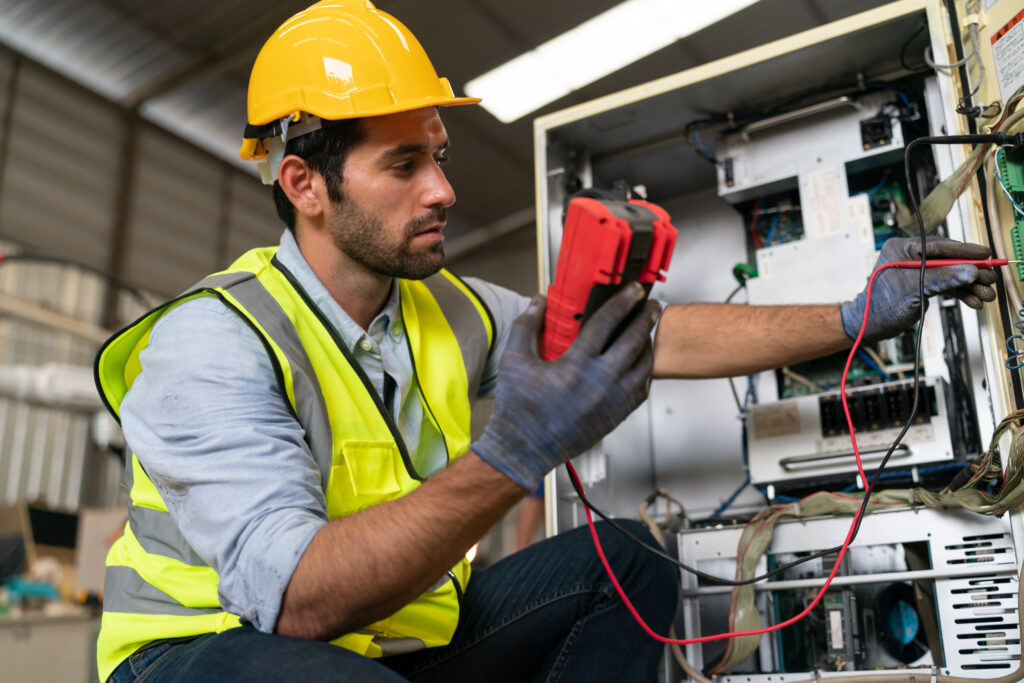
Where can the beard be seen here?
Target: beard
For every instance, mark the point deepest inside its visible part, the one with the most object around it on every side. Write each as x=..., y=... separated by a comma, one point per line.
x=366, y=239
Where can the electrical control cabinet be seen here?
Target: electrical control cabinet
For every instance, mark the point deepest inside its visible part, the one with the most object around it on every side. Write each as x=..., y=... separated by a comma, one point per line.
x=918, y=588
x=820, y=189
x=782, y=167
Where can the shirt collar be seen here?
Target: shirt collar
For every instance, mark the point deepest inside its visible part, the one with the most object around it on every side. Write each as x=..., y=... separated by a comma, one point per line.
x=291, y=257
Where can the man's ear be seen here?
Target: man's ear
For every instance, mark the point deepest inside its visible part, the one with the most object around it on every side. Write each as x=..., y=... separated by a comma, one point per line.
x=303, y=186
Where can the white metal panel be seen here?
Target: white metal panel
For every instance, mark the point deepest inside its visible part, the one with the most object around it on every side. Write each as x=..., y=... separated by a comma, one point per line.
x=696, y=433
x=971, y=556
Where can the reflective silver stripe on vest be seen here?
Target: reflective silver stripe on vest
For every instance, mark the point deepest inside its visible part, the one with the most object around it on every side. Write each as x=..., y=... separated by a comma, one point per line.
x=399, y=646
x=158, y=534
x=309, y=399
x=393, y=646
x=124, y=590
x=467, y=325
x=129, y=473
x=440, y=582
x=217, y=280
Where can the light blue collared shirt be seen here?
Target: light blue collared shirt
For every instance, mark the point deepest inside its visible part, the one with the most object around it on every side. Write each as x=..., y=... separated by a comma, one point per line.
x=209, y=425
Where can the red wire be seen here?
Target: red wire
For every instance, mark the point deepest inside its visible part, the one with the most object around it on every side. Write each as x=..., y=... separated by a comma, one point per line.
x=931, y=263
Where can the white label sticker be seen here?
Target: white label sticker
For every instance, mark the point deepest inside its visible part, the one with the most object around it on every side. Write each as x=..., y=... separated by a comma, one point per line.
x=1008, y=55
x=822, y=213
x=858, y=213
x=835, y=627
x=764, y=264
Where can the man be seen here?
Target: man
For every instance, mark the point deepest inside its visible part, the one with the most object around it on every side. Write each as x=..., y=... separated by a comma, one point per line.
x=303, y=484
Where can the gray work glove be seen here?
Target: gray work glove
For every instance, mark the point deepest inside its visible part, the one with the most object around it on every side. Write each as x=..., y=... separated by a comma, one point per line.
x=895, y=300
x=546, y=413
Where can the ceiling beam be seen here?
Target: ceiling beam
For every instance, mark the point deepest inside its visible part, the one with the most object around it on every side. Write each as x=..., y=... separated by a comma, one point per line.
x=230, y=54
x=193, y=68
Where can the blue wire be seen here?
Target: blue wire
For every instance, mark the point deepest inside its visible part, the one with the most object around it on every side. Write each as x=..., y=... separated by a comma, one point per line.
x=907, y=475
x=906, y=108
x=735, y=494
x=938, y=468
x=879, y=186
x=778, y=496
x=743, y=449
x=870, y=362
x=700, y=145
x=906, y=101
x=771, y=230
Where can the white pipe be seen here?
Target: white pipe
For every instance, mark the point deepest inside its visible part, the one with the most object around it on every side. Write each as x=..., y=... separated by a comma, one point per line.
x=57, y=385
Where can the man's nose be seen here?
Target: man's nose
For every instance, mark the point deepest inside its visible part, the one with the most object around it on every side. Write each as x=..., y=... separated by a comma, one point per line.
x=439, y=191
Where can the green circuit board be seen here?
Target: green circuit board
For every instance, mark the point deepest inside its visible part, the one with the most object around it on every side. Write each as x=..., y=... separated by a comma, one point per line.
x=1011, y=170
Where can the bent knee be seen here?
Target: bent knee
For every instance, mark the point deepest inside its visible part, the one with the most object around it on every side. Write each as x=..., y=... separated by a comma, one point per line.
x=656, y=573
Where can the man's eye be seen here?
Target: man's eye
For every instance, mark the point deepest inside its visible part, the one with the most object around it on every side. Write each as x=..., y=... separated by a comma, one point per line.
x=441, y=159
x=404, y=166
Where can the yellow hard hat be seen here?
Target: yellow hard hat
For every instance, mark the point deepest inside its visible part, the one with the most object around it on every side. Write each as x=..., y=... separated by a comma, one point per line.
x=338, y=59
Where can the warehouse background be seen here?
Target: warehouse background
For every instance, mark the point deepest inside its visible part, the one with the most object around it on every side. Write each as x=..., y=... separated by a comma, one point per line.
x=119, y=128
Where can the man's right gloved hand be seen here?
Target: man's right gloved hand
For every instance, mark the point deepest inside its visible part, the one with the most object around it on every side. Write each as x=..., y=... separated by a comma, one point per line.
x=546, y=413
x=895, y=301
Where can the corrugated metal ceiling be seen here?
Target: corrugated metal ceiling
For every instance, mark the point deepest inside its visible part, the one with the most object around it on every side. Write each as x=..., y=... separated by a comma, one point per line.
x=186, y=63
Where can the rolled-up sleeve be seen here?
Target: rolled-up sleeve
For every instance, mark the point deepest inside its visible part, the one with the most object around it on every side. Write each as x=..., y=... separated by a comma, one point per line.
x=207, y=421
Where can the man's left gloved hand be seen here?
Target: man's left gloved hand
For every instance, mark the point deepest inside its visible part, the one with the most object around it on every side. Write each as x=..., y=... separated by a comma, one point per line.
x=895, y=300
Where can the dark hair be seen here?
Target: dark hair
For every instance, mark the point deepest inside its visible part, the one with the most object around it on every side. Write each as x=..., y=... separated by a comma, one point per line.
x=325, y=151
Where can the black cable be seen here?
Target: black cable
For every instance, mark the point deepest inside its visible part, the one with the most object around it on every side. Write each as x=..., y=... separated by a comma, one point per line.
x=735, y=292
x=64, y=261
x=903, y=50
x=736, y=397
x=997, y=138
x=660, y=553
x=964, y=106
x=734, y=119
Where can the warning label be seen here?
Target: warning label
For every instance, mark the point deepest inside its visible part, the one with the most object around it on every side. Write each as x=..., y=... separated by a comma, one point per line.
x=1008, y=55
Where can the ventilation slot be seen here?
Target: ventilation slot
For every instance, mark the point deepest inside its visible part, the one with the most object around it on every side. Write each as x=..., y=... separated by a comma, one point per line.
x=980, y=631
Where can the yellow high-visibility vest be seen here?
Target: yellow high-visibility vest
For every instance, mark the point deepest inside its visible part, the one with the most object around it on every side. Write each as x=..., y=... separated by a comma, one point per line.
x=157, y=587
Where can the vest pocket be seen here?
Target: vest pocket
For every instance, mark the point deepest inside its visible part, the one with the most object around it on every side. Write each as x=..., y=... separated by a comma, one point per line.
x=365, y=475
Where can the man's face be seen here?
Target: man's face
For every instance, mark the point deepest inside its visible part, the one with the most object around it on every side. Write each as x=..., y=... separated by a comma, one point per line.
x=395, y=196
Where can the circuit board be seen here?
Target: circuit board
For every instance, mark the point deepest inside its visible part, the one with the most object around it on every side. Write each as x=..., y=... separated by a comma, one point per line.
x=1011, y=172
x=824, y=374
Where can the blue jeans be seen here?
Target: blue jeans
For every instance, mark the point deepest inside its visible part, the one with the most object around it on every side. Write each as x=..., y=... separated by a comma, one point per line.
x=546, y=613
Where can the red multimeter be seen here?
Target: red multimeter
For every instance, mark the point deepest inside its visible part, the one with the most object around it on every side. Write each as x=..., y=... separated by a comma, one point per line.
x=605, y=245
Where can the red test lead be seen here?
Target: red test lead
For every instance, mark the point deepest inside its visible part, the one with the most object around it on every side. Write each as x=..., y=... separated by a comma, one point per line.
x=929, y=263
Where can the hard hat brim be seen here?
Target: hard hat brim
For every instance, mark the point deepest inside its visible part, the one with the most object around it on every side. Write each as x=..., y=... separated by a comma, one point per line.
x=278, y=113
x=251, y=150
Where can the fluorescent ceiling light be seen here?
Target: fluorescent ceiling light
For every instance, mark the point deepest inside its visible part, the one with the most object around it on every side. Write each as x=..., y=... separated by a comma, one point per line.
x=611, y=40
